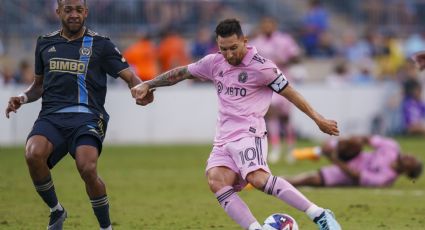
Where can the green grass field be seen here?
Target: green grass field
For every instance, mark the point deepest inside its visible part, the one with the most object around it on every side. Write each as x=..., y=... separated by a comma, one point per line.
x=163, y=187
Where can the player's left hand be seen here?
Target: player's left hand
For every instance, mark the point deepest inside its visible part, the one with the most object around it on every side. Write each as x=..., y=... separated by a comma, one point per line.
x=328, y=126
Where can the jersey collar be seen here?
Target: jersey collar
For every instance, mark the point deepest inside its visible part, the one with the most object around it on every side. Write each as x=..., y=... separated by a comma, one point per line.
x=249, y=55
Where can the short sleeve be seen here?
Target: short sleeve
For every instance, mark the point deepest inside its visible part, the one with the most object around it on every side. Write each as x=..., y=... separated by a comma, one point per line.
x=112, y=60
x=39, y=66
x=274, y=79
x=203, y=68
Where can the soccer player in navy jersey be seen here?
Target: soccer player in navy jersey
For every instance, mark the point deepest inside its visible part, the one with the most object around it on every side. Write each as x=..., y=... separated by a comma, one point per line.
x=71, y=67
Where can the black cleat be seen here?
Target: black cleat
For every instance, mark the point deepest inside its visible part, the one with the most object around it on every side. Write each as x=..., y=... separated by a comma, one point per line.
x=56, y=220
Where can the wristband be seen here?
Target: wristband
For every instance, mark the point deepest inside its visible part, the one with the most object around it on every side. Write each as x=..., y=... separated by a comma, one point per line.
x=23, y=98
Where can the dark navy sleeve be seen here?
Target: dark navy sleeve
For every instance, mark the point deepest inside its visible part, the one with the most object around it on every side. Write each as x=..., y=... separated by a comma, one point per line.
x=39, y=66
x=112, y=60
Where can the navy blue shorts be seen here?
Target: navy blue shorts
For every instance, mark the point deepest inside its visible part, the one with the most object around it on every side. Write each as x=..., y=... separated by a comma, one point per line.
x=67, y=131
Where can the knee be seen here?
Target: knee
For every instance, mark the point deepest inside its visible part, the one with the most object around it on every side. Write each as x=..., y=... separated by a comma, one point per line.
x=35, y=154
x=258, y=179
x=88, y=171
x=215, y=184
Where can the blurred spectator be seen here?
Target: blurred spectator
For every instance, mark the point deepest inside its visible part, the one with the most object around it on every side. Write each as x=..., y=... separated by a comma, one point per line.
x=340, y=76
x=172, y=50
x=142, y=56
x=391, y=58
x=6, y=76
x=282, y=49
x=364, y=73
x=414, y=43
x=25, y=74
x=315, y=22
x=353, y=49
x=413, y=108
x=203, y=44
x=325, y=47
x=353, y=166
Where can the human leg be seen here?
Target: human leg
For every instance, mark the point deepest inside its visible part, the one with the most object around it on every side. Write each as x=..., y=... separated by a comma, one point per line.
x=284, y=191
x=86, y=157
x=306, y=179
x=45, y=148
x=221, y=181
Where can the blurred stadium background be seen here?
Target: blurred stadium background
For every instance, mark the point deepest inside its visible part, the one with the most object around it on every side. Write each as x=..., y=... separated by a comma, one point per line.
x=353, y=69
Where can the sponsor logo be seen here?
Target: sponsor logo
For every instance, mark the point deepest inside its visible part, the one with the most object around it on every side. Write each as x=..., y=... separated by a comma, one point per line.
x=51, y=50
x=219, y=87
x=67, y=66
x=220, y=74
x=243, y=77
x=252, y=130
x=251, y=164
x=235, y=91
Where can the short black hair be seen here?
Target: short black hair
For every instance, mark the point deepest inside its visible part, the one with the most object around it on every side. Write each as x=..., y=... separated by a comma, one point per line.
x=228, y=27
x=416, y=172
x=60, y=1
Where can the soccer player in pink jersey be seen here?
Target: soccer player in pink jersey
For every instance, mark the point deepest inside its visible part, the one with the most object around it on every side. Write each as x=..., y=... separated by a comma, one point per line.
x=244, y=81
x=281, y=49
x=354, y=167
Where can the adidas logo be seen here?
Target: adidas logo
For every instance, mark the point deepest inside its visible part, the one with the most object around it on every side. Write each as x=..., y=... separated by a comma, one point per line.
x=251, y=164
x=52, y=49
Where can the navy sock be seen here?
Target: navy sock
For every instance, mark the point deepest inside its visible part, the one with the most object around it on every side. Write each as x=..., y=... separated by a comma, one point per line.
x=46, y=190
x=101, y=210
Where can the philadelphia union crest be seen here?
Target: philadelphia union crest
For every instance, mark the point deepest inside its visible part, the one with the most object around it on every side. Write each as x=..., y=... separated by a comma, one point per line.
x=243, y=77
x=85, y=51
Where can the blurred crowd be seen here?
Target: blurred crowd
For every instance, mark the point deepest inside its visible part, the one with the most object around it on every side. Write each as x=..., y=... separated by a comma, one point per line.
x=373, y=53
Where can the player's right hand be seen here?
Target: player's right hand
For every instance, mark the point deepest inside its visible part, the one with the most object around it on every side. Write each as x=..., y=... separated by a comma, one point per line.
x=142, y=93
x=13, y=105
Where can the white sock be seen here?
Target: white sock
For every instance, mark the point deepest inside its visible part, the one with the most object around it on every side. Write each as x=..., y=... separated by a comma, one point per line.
x=255, y=226
x=108, y=228
x=314, y=211
x=57, y=207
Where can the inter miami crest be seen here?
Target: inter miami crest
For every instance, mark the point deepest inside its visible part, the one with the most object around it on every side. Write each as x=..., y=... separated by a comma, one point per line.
x=243, y=77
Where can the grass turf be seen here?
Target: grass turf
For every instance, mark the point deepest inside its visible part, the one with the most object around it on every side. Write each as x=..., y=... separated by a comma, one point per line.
x=164, y=187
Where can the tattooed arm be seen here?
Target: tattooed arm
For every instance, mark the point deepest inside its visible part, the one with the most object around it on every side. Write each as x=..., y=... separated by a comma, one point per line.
x=168, y=78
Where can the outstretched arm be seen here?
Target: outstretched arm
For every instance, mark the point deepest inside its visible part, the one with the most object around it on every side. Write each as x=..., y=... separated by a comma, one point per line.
x=327, y=126
x=33, y=93
x=168, y=78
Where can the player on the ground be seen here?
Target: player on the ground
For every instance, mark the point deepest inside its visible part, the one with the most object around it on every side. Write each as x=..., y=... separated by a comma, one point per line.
x=70, y=76
x=351, y=166
x=245, y=82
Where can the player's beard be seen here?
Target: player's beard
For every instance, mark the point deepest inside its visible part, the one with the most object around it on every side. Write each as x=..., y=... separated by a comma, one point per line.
x=73, y=28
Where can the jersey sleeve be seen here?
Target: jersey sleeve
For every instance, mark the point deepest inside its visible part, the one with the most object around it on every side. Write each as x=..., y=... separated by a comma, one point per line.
x=274, y=79
x=112, y=60
x=39, y=65
x=203, y=68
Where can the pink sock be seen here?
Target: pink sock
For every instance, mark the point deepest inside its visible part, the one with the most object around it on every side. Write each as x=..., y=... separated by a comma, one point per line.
x=283, y=190
x=235, y=207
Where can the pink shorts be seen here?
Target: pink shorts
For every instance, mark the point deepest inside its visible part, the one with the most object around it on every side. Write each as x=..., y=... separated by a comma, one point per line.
x=334, y=176
x=242, y=156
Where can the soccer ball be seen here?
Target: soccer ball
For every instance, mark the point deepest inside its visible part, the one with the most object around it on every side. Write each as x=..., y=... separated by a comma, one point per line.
x=279, y=221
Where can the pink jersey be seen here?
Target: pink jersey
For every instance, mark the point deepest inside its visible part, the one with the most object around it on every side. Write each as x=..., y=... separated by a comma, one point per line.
x=279, y=47
x=244, y=92
x=375, y=168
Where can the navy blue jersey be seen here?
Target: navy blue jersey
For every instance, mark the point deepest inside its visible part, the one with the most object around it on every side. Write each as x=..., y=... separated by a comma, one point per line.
x=75, y=71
